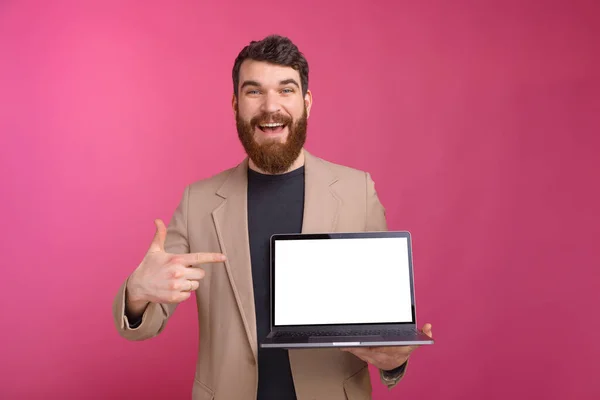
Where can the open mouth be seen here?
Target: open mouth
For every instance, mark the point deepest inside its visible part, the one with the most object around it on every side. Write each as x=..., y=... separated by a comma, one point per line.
x=274, y=127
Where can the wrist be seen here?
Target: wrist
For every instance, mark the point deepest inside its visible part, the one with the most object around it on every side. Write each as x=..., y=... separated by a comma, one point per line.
x=395, y=371
x=133, y=290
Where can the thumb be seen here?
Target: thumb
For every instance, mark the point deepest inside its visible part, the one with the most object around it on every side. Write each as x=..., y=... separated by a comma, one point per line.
x=158, y=242
x=427, y=330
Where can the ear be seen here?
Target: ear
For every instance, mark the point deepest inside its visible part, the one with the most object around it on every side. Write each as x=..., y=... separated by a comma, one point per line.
x=234, y=104
x=308, y=102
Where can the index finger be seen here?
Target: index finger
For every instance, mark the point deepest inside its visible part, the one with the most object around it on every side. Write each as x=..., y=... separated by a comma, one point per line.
x=201, y=258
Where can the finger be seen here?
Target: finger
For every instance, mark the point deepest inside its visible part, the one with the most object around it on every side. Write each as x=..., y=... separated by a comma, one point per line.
x=158, y=242
x=193, y=273
x=184, y=285
x=200, y=258
x=193, y=285
x=180, y=272
x=427, y=330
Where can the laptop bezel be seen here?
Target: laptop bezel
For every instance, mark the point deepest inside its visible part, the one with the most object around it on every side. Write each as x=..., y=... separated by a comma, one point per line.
x=340, y=235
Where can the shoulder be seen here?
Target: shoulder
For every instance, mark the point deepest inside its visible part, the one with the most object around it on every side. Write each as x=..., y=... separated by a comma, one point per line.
x=344, y=174
x=203, y=194
x=337, y=169
x=211, y=183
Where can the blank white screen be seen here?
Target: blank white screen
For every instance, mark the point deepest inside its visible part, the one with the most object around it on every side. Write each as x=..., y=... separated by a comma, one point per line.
x=342, y=281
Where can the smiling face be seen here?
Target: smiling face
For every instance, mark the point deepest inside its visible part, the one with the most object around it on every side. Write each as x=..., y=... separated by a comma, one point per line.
x=271, y=114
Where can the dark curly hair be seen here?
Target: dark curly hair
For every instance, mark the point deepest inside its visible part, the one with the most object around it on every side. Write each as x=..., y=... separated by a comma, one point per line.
x=274, y=49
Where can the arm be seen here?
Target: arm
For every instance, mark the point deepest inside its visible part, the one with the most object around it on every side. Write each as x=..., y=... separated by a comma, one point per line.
x=137, y=320
x=376, y=221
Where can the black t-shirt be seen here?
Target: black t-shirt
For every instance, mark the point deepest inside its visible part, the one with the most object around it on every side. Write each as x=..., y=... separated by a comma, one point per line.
x=275, y=205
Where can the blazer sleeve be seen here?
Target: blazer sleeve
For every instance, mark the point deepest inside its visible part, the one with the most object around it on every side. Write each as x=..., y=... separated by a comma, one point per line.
x=376, y=221
x=156, y=315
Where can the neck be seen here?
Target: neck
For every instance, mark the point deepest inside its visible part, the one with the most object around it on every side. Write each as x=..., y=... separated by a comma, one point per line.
x=299, y=162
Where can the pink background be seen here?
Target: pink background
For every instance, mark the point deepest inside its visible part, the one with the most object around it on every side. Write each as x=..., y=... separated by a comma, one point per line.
x=485, y=118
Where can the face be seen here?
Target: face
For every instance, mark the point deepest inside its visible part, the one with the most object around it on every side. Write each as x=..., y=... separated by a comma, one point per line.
x=271, y=114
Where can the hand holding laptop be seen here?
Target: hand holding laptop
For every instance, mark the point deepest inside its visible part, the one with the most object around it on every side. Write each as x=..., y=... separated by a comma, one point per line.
x=386, y=358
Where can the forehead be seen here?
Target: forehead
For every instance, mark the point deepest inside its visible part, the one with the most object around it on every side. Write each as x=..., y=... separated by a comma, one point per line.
x=265, y=73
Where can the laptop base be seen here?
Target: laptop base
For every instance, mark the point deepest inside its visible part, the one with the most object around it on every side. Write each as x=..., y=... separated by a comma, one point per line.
x=307, y=342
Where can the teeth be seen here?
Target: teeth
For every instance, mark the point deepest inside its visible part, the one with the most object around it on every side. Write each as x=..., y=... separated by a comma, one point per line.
x=271, y=125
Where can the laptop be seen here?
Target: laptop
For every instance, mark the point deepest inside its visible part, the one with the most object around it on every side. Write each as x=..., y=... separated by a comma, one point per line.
x=342, y=290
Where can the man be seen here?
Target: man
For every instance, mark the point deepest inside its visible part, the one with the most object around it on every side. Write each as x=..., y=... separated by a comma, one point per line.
x=217, y=246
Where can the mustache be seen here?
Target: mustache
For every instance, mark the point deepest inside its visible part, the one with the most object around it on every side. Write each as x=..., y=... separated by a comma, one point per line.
x=265, y=118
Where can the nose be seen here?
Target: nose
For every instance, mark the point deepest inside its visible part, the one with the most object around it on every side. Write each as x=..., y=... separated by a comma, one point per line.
x=271, y=103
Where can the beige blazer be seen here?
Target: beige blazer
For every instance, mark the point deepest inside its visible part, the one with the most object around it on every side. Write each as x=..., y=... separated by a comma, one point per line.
x=211, y=217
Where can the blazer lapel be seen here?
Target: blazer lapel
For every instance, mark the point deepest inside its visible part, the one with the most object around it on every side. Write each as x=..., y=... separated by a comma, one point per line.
x=321, y=207
x=231, y=224
x=321, y=204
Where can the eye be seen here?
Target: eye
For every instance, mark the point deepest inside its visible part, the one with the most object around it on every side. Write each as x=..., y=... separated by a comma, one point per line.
x=288, y=90
x=253, y=91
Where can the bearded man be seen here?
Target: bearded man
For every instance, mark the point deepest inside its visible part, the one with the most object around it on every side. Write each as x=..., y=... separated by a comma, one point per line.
x=217, y=246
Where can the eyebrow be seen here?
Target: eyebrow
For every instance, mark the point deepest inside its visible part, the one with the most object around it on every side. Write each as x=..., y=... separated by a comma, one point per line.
x=289, y=81
x=250, y=83
x=281, y=83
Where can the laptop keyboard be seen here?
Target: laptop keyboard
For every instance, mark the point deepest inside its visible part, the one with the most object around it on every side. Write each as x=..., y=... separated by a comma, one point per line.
x=369, y=332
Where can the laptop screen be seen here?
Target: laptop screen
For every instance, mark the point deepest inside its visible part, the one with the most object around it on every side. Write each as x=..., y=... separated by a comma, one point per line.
x=328, y=281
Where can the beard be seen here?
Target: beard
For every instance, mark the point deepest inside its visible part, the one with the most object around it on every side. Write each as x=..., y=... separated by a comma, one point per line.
x=273, y=156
